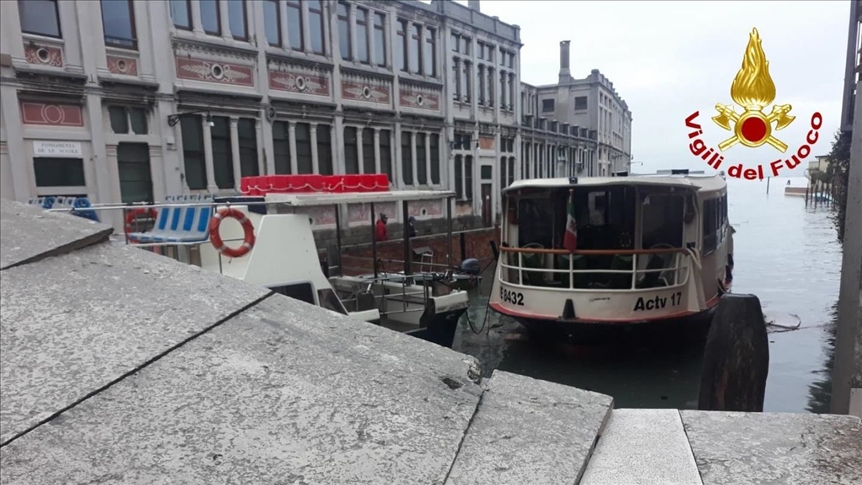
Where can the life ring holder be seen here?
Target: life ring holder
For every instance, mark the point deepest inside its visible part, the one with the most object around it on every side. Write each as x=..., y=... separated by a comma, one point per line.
x=134, y=213
x=247, y=227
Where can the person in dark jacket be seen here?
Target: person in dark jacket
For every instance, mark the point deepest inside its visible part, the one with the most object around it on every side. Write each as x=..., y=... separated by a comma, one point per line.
x=411, y=227
x=381, y=228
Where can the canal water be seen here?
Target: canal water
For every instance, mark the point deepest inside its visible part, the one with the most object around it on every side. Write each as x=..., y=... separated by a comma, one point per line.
x=784, y=253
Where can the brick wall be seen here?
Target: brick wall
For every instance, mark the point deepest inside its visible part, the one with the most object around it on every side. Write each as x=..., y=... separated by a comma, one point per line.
x=476, y=245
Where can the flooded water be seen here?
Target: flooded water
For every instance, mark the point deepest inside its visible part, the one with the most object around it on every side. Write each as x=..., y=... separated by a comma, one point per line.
x=785, y=254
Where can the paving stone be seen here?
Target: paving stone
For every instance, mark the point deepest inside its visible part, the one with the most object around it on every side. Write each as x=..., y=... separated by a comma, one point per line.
x=73, y=323
x=284, y=393
x=528, y=431
x=29, y=233
x=775, y=448
x=642, y=447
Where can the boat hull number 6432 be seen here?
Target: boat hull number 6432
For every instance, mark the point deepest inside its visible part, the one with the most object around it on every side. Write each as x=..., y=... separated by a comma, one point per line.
x=513, y=297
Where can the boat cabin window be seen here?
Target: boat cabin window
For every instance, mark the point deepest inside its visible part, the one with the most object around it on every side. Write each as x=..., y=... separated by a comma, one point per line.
x=714, y=223
x=662, y=220
x=605, y=218
x=299, y=291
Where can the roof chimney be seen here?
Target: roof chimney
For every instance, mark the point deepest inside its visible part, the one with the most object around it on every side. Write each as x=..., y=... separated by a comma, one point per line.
x=565, y=74
x=474, y=4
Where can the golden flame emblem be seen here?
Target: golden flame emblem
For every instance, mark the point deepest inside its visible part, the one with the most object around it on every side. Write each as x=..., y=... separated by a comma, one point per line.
x=753, y=90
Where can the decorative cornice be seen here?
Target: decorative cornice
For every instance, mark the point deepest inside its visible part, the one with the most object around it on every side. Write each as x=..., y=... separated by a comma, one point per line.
x=214, y=97
x=298, y=61
x=108, y=82
x=353, y=71
x=218, y=48
x=30, y=73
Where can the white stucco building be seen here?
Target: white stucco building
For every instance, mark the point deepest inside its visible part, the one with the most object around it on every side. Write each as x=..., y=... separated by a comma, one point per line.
x=131, y=100
x=591, y=106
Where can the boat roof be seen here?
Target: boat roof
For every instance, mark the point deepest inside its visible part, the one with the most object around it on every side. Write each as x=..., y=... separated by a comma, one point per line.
x=329, y=198
x=704, y=182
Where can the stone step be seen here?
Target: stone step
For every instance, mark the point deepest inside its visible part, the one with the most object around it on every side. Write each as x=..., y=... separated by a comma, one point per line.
x=642, y=446
x=527, y=431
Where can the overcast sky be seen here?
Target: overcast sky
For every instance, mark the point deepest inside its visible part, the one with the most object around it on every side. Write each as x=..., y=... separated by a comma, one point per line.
x=668, y=59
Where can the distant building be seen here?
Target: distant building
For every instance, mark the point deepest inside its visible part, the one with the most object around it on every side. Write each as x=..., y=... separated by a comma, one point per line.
x=590, y=108
x=820, y=165
x=132, y=101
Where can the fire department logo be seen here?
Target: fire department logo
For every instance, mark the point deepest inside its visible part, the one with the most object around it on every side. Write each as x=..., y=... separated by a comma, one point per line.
x=753, y=91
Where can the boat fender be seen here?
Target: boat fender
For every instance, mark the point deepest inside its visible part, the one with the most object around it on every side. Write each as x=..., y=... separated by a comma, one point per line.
x=135, y=213
x=247, y=227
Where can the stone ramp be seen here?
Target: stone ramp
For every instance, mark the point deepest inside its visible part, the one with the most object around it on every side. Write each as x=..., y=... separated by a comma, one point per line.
x=797, y=449
x=73, y=324
x=29, y=233
x=255, y=401
x=530, y=431
x=643, y=447
x=121, y=366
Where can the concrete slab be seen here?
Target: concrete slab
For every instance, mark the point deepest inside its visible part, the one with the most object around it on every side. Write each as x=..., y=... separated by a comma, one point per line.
x=284, y=393
x=642, y=447
x=530, y=431
x=799, y=449
x=74, y=323
x=29, y=233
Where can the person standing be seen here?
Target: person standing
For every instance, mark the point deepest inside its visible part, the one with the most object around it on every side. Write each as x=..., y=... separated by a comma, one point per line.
x=381, y=228
x=411, y=227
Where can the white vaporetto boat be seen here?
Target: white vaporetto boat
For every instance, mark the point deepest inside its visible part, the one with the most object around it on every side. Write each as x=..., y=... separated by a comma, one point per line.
x=648, y=248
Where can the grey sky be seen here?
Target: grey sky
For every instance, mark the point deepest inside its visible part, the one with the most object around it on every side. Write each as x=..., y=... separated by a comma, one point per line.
x=668, y=59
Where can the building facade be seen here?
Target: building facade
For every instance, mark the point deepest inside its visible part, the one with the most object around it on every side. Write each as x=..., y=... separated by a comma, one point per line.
x=135, y=100
x=851, y=67
x=592, y=109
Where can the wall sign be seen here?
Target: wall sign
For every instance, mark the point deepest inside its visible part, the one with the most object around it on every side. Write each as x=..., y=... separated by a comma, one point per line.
x=68, y=149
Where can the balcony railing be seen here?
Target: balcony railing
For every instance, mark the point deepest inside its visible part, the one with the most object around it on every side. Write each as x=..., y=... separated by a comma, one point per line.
x=596, y=270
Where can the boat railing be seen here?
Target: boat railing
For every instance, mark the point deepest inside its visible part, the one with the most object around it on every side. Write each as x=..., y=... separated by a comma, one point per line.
x=596, y=269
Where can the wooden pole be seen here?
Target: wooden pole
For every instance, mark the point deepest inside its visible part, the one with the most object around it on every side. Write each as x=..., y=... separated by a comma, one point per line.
x=767, y=184
x=736, y=357
x=408, y=255
x=373, y=241
x=807, y=187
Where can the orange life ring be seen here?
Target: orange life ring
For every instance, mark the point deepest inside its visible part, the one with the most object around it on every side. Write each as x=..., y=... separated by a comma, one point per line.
x=134, y=213
x=247, y=227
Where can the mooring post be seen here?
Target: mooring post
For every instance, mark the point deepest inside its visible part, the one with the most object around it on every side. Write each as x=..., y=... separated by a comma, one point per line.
x=767, y=184
x=736, y=357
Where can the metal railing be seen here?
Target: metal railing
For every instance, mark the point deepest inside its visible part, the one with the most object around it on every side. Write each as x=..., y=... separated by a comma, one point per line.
x=613, y=269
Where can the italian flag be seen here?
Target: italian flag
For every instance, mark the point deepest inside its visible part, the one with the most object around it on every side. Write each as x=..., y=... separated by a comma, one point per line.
x=571, y=239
